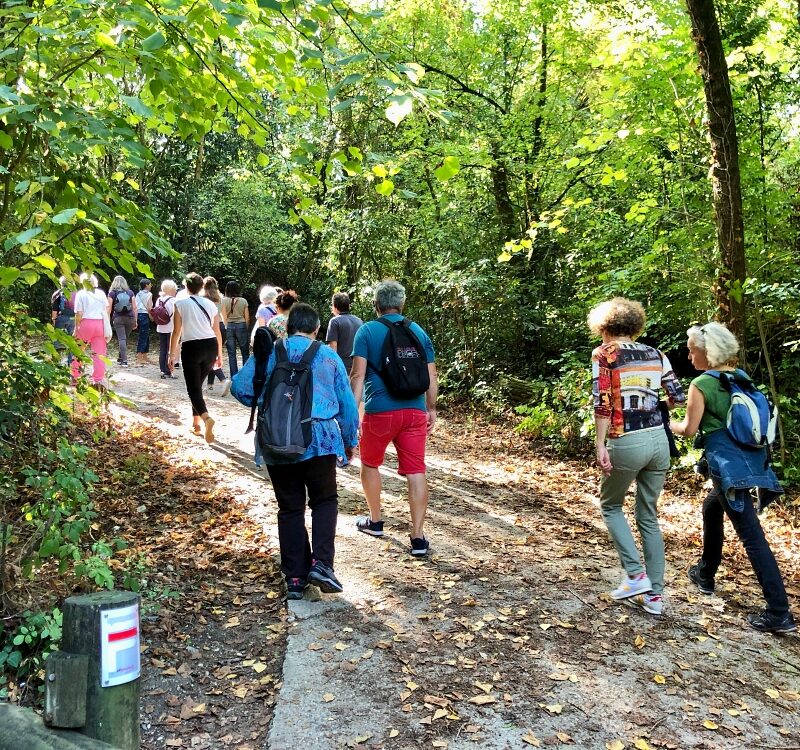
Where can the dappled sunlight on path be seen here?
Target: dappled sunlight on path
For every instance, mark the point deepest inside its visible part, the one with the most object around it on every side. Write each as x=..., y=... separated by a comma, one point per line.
x=504, y=637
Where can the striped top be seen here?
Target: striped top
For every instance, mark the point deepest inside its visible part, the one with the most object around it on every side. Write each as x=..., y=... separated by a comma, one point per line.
x=626, y=377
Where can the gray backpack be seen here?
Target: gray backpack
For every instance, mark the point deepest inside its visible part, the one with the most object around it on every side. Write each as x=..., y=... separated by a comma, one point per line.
x=284, y=427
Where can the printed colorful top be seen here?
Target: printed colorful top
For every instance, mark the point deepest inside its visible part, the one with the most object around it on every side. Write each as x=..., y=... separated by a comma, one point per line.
x=333, y=410
x=626, y=377
x=277, y=324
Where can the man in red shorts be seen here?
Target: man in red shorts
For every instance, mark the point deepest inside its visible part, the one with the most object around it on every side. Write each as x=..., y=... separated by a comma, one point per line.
x=388, y=419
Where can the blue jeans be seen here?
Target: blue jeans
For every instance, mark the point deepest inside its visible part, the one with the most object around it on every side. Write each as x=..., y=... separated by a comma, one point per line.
x=749, y=530
x=143, y=344
x=65, y=323
x=236, y=335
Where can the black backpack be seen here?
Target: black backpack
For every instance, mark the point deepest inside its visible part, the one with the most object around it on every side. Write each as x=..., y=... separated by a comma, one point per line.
x=404, y=366
x=122, y=302
x=284, y=428
x=263, y=344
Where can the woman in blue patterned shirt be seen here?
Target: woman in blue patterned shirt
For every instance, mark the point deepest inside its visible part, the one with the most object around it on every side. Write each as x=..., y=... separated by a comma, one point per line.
x=334, y=434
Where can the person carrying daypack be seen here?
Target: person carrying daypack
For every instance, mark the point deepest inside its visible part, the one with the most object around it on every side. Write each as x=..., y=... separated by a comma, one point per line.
x=394, y=372
x=734, y=470
x=751, y=419
x=123, y=311
x=309, y=418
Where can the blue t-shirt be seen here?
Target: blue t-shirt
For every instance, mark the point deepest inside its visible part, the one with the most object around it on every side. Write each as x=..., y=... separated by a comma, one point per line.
x=369, y=345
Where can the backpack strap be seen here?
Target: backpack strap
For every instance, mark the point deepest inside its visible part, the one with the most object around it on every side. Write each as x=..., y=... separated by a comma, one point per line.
x=311, y=352
x=281, y=355
x=205, y=312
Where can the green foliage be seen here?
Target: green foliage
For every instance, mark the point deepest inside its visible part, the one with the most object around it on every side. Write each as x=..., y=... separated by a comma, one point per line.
x=26, y=648
x=560, y=412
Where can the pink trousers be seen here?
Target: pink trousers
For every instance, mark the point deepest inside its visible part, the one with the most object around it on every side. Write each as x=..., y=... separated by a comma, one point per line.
x=91, y=332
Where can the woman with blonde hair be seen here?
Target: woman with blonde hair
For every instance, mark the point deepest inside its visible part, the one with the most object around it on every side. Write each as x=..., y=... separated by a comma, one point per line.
x=163, y=313
x=122, y=309
x=631, y=443
x=734, y=470
x=92, y=325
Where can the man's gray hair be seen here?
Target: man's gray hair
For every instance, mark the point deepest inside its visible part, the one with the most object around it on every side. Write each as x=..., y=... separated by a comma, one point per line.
x=168, y=285
x=390, y=295
x=719, y=344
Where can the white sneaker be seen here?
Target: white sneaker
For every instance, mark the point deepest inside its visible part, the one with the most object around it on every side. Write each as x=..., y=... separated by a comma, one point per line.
x=226, y=387
x=639, y=584
x=651, y=603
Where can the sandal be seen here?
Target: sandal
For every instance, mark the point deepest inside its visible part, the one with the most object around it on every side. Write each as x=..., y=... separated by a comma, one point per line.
x=209, y=430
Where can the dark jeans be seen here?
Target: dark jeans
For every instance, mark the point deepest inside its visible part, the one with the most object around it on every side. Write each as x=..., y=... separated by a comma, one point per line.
x=236, y=335
x=216, y=373
x=143, y=344
x=748, y=527
x=65, y=323
x=197, y=360
x=163, y=352
x=290, y=482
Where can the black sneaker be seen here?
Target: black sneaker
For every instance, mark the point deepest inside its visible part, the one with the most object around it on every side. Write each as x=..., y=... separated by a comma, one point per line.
x=705, y=585
x=295, y=587
x=420, y=547
x=368, y=526
x=321, y=575
x=177, y=365
x=769, y=623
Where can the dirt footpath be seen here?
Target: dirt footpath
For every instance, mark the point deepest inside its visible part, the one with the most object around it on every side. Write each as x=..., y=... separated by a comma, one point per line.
x=504, y=637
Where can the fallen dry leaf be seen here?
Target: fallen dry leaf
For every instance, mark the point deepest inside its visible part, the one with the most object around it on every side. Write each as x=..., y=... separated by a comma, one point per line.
x=531, y=739
x=328, y=697
x=482, y=700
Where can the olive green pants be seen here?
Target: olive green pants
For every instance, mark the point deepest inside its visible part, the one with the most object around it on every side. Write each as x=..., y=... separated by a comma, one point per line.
x=643, y=457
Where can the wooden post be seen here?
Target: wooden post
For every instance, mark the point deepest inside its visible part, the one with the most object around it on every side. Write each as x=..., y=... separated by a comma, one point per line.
x=112, y=698
x=65, y=690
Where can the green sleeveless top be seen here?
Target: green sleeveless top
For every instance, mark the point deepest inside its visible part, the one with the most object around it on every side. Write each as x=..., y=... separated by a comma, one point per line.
x=718, y=401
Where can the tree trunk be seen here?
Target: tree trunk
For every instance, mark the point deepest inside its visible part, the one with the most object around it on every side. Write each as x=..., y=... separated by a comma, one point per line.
x=505, y=209
x=724, y=172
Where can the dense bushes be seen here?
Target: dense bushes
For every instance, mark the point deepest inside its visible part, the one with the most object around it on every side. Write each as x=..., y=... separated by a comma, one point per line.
x=47, y=516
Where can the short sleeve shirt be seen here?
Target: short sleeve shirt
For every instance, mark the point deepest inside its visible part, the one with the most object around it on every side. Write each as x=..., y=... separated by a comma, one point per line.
x=368, y=344
x=342, y=329
x=234, y=308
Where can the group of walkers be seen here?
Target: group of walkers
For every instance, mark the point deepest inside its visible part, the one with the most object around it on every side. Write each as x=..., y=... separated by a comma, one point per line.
x=632, y=445
x=388, y=365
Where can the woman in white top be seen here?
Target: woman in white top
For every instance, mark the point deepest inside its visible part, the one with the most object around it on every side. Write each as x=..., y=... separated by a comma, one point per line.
x=197, y=340
x=92, y=326
x=166, y=300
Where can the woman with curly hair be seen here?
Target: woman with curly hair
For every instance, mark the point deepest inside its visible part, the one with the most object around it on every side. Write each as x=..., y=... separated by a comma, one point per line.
x=734, y=471
x=283, y=303
x=626, y=377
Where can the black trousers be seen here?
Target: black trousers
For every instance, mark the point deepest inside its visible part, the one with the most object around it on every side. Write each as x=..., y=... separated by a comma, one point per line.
x=197, y=360
x=163, y=352
x=749, y=530
x=290, y=483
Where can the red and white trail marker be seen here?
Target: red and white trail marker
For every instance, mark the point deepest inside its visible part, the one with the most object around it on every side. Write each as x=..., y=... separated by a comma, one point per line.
x=119, y=642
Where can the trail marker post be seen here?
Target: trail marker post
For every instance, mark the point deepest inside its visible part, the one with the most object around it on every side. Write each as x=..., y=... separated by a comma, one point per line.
x=103, y=627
